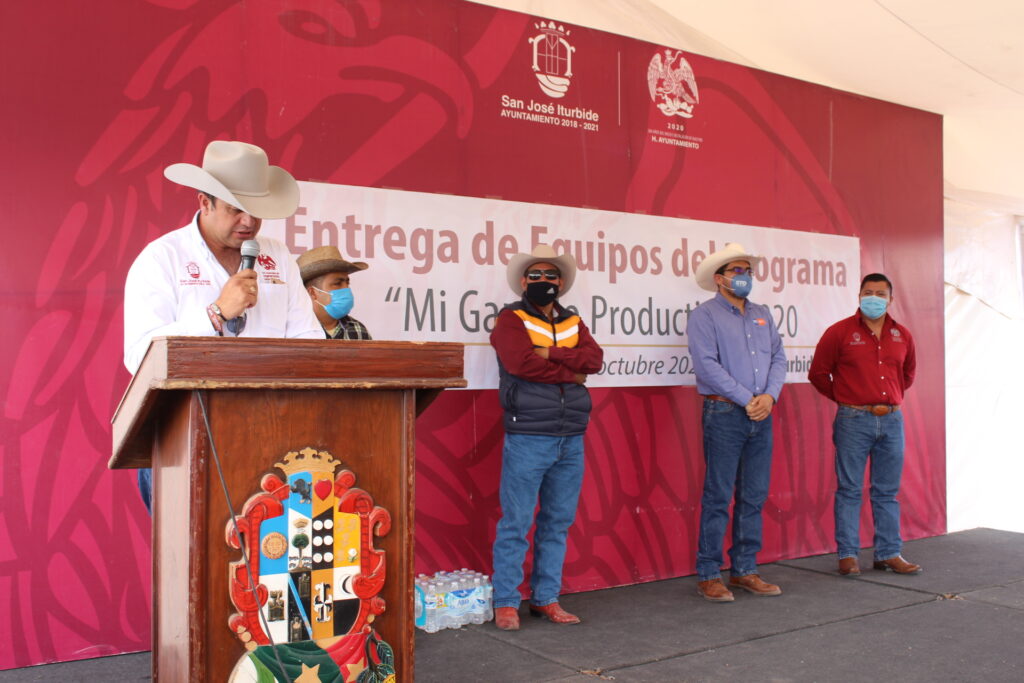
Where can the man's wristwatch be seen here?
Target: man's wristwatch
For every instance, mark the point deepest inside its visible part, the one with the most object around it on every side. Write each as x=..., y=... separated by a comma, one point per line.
x=216, y=318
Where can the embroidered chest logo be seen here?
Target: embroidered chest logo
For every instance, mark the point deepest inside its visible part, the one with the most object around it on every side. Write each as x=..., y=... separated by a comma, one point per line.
x=268, y=267
x=760, y=322
x=194, y=278
x=856, y=340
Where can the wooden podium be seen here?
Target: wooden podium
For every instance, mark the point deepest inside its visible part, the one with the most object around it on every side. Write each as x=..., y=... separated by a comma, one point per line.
x=265, y=399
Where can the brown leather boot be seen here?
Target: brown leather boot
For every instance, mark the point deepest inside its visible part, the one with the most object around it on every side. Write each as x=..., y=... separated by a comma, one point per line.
x=753, y=583
x=848, y=566
x=554, y=613
x=715, y=591
x=897, y=565
x=506, y=618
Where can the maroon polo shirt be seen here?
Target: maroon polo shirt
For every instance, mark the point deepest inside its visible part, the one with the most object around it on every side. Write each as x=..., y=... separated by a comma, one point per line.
x=851, y=365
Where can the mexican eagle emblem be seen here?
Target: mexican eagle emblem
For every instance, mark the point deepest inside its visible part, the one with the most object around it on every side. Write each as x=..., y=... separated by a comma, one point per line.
x=672, y=84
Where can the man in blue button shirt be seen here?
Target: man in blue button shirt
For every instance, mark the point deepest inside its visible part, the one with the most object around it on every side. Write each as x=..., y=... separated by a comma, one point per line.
x=740, y=367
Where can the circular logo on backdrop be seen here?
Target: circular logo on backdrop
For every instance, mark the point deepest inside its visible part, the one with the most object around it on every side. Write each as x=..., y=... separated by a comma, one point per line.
x=275, y=545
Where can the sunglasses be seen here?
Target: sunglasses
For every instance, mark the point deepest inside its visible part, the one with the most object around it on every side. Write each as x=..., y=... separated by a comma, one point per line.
x=536, y=275
x=738, y=270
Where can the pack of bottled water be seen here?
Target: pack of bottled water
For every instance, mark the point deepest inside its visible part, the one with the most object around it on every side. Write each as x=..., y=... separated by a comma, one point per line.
x=452, y=600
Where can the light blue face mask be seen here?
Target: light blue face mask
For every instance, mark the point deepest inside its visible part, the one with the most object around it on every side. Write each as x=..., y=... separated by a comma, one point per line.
x=341, y=304
x=741, y=285
x=873, y=306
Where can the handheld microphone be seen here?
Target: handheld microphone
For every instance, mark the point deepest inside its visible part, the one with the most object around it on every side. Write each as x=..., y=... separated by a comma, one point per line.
x=250, y=250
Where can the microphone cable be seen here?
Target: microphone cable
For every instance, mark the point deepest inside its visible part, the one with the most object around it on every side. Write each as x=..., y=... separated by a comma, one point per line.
x=238, y=535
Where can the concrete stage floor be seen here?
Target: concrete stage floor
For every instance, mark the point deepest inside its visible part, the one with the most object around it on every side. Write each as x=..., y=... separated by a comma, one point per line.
x=961, y=619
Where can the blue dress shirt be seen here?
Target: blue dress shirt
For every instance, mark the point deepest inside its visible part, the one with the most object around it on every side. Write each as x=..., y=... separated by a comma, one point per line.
x=736, y=355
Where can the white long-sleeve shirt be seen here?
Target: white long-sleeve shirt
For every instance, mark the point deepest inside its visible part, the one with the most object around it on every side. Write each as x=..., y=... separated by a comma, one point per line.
x=176, y=277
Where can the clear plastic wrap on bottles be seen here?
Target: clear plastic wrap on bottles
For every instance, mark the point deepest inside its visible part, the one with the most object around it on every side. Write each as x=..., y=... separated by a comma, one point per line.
x=452, y=600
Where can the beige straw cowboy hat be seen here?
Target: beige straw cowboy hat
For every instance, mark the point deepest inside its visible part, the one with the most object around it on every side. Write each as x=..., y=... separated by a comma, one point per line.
x=240, y=174
x=542, y=253
x=730, y=252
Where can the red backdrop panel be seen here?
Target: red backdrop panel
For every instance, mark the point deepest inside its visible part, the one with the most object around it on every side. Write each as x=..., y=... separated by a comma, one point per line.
x=407, y=95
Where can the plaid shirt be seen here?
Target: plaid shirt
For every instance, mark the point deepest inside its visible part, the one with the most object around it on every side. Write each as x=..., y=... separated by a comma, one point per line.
x=349, y=328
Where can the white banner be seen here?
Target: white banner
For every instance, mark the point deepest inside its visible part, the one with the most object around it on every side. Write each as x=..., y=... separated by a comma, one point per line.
x=437, y=273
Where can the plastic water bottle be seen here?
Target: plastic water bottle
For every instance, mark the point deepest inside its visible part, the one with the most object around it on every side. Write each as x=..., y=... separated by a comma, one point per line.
x=419, y=603
x=441, y=601
x=476, y=613
x=435, y=606
x=488, y=598
x=462, y=603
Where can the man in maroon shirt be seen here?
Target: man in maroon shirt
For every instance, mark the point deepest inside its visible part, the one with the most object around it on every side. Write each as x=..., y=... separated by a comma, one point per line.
x=865, y=363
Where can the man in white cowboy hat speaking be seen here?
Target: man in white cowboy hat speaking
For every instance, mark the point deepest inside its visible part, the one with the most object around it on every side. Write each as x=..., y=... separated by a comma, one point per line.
x=188, y=282
x=740, y=367
x=545, y=353
x=865, y=363
x=325, y=275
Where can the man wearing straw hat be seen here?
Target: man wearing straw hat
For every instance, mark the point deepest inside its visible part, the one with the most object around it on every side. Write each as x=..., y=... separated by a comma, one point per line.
x=545, y=353
x=189, y=281
x=325, y=275
x=740, y=367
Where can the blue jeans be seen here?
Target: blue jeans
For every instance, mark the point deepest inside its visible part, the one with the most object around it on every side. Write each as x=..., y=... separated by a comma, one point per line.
x=858, y=434
x=738, y=455
x=532, y=466
x=146, y=488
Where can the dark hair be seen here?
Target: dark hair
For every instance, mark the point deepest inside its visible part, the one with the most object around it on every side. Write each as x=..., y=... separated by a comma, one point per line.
x=721, y=271
x=213, y=200
x=876, y=277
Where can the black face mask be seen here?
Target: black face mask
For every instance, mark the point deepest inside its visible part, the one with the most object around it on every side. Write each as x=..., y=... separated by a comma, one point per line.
x=541, y=293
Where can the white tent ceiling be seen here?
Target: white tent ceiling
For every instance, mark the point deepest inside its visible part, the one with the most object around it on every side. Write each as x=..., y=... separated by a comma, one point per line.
x=964, y=60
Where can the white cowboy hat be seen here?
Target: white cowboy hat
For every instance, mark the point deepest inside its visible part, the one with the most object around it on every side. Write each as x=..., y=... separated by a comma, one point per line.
x=542, y=253
x=326, y=259
x=730, y=252
x=240, y=174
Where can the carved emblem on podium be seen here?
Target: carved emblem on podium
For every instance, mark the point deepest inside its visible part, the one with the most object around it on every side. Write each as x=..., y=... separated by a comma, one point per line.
x=309, y=539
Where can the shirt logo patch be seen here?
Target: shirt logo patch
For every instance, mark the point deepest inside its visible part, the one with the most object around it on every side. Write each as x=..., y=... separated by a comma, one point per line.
x=895, y=332
x=856, y=339
x=761, y=322
x=193, y=270
x=266, y=261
